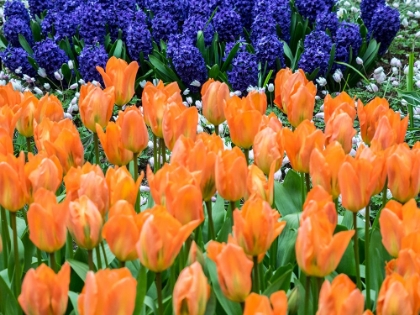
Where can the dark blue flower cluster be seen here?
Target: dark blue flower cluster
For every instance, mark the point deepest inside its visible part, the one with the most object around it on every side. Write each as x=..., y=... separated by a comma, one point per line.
x=195, y=23
x=327, y=21
x=176, y=8
x=163, y=25
x=269, y=50
x=282, y=13
x=367, y=10
x=89, y=58
x=138, y=39
x=36, y=7
x=310, y=9
x=15, y=26
x=244, y=8
x=317, y=49
x=16, y=9
x=175, y=42
x=348, y=35
x=49, y=56
x=244, y=72
x=66, y=24
x=227, y=23
x=384, y=26
x=264, y=25
x=318, y=39
x=93, y=20
x=17, y=58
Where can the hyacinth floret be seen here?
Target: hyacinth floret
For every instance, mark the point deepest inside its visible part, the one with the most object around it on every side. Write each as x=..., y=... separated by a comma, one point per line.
x=244, y=8
x=176, y=8
x=367, y=10
x=269, y=49
x=66, y=25
x=348, y=35
x=15, y=26
x=244, y=72
x=196, y=23
x=384, y=26
x=175, y=42
x=310, y=9
x=327, y=21
x=93, y=22
x=90, y=57
x=282, y=13
x=229, y=46
x=313, y=58
x=36, y=7
x=49, y=56
x=15, y=58
x=263, y=25
x=163, y=25
x=16, y=8
x=227, y=23
x=138, y=39
x=318, y=39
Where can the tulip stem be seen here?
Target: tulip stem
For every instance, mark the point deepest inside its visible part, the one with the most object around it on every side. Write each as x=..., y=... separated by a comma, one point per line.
x=302, y=187
x=216, y=129
x=98, y=257
x=5, y=236
x=96, y=144
x=273, y=253
x=16, y=253
x=159, y=292
x=155, y=154
x=384, y=191
x=163, y=147
x=316, y=285
x=367, y=254
x=356, y=251
x=52, y=261
x=39, y=256
x=230, y=213
x=246, y=151
x=90, y=259
x=307, y=293
x=256, y=280
x=136, y=176
x=210, y=215
x=308, y=182
x=104, y=253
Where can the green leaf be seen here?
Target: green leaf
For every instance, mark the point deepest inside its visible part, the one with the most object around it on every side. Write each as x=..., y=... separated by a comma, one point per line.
x=141, y=290
x=280, y=280
x=25, y=45
x=211, y=304
x=8, y=303
x=73, y=296
x=163, y=70
x=117, y=49
x=65, y=70
x=288, y=52
x=225, y=231
x=214, y=71
x=230, y=57
x=29, y=249
x=287, y=195
x=347, y=264
x=109, y=255
x=219, y=213
x=81, y=269
x=412, y=98
x=287, y=240
x=3, y=42
x=36, y=30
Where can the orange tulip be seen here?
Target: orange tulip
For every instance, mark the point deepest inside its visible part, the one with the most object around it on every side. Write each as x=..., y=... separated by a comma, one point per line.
x=271, y=121
x=168, y=235
x=403, y=168
x=231, y=174
x=280, y=84
x=195, y=255
x=47, y=221
x=85, y=223
x=62, y=140
x=319, y=203
x=390, y=130
x=233, y=270
x=134, y=135
x=318, y=251
x=300, y=143
x=357, y=180
x=13, y=187
x=268, y=148
x=243, y=120
x=95, y=106
x=191, y=291
x=155, y=99
x=340, y=297
x=369, y=116
x=44, y=292
x=43, y=171
x=88, y=180
x=121, y=185
x=398, y=295
x=122, y=230
x=51, y=107
x=6, y=143
x=398, y=221
x=341, y=103
x=9, y=97
x=324, y=167
x=26, y=114
x=8, y=120
x=406, y=265
x=108, y=292
x=257, y=183
x=112, y=145
x=256, y=226
x=214, y=97
x=340, y=128
x=159, y=181
x=179, y=120
x=122, y=77
x=257, y=100
x=260, y=304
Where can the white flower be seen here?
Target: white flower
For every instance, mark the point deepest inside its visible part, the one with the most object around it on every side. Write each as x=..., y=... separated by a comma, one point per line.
x=371, y=87
x=42, y=73
x=410, y=14
x=378, y=70
x=404, y=22
x=270, y=87
x=143, y=83
x=338, y=76
x=18, y=70
x=404, y=102
x=380, y=78
x=396, y=5
x=198, y=104
x=82, y=82
x=70, y=64
x=73, y=86
x=59, y=92
x=418, y=84
x=150, y=144
x=321, y=81
x=317, y=97
x=199, y=129
x=321, y=108
x=251, y=154
x=359, y=61
x=74, y=101
x=395, y=62
x=278, y=175
x=395, y=70
x=17, y=84
x=417, y=15
x=155, y=82
x=195, y=83
x=237, y=93
x=417, y=34
x=395, y=83
x=38, y=91
x=77, y=94
x=186, y=92
x=347, y=4
x=96, y=83
x=319, y=115
x=74, y=108
x=144, y=188
x=341, y=12
x=47, y=86
x=68, y=115
x=2, y=82
x=189, y=100
x=285, y=161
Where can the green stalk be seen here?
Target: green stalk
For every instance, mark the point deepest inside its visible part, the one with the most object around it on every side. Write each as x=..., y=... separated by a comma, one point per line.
x=5, y=236
x=98, y=257
x=273, y=253
x=316, y=285
x=159, y=292
x=356, y=251
x=246, y=151
x=28, y=145
x=216, y=129
x=210, y=215
x=136, y=176
x=96, y=144
x=308, y=183
x=155, y=154
x=256, y=279
x=38, y=256
x=90, y=259
x=230, y=214
x=52, y=261
x=367, y=255
x=163, y=152
x=307, y=294
x=410, y=86
x=302, y=187
x=104, y=253
x=16, y=253
x=384, y=191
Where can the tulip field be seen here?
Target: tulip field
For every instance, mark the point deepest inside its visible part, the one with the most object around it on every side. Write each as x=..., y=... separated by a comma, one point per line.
x=131, y=183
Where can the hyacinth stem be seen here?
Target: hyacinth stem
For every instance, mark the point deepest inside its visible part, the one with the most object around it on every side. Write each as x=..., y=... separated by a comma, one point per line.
x=159, y=292
x=256, y=279
x=246, y=151
x=52, y=261
x=98, y=257
x=367, y=254
x=163, y=147
x=96, y=144
x=210, y=215
x=90, y=259
x=104, y=253
x=302, y=187
x=216, y=129
x=307, y=294
x=155, y=154
x=356, y=251
x=5, y=236
x=16, y=253
x=28, y=145
x=136, y=176
x=308, y=183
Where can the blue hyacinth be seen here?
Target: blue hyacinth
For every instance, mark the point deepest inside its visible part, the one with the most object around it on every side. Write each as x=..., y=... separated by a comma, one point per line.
x=49, y=56
x=245, y=10
x=197, y=23
x=89, y=58
x=263, y=25
x=16, y=9
x=367, y=10
x=36, y=7
x=327, y=21
x=14, y=27
x=282, y=13
x=310, y=9
x=348, y=35
x=313, y=58
x=384, y=26
x=175, y=42
x=93, y=22
x=269, y=50
x=229, y=46
x=244, y=72
x=138, y=39
x=15, y=58
x=66, y=24
x=163, y=25
x=176, y=8
x=227, y=23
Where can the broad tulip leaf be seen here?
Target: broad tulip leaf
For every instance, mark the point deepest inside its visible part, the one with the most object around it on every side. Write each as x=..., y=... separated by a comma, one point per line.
x=141, y=290
x=280, y=280
x=8, y=303
x=347, y=264
x=287, y=240
x=211, y=304
x=287, y=195
x=73, y=296
x=81, y=269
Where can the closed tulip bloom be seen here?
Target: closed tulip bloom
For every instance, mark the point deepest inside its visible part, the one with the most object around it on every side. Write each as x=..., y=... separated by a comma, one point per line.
x=51, y=107
x=233, y=270
x=62, y=140
x=257, y=100
x=268, y=148
x=214, y=97
x=258, y=184
x=243, y=121
x=398, y=221
x=13, y=187
x=300, y=143
x=357, y=180
x=179, y=120
x=44, y=292
x=324, y=166
x=340, y=128
x=319, y=203
x=340, y=297
x=280, y=91
x=26, y=114
x=260, y=304
x=342, y=103
x=8, y=120
x=108, y=292
x=191, y=291
x=318, y=251
x=369, y=116
x=403, y=169
x=121, y=185
x=6, y=143
x=88, y=180
x=122, y=77
x=112, y=145
x=195, y=255
x=256, y=226
x=95, y=106
x=47, y=221
x=85, y=223
x=231, y=174
x=159, y=181
x=168, y=235
x=155, y=99
x=134, y=134
x=390, y=131
x=9, y=96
